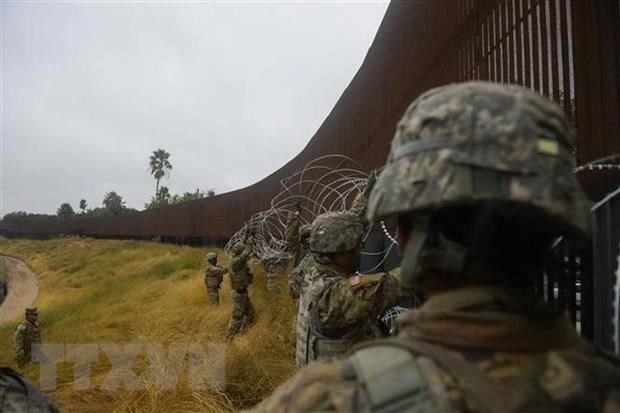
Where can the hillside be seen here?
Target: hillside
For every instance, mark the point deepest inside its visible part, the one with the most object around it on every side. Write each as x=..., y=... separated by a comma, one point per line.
x=106, y=291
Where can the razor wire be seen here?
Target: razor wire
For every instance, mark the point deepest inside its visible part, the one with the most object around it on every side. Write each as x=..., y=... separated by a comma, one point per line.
x=327, y=183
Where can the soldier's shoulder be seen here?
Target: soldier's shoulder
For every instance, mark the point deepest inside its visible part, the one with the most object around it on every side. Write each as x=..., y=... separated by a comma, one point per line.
x=322, y=386
x=21, y=326
x=18, y=394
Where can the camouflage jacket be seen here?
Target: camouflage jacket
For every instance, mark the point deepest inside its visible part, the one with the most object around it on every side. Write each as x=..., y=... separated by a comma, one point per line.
x=18, y=395
x=214, y=275
x=337, y=310
x=25, y=335
x=470, y=350
x=238, y=270
x=297, y=277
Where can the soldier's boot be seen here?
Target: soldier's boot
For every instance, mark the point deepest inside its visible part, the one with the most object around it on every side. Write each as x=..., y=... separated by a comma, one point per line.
x=234, y=325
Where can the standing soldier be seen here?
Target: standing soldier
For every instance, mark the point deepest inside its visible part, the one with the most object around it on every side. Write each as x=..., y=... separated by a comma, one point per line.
x=480, y=177
x=26, y=334
x=243, y=312
x=17, y=394
x=214, y=275
x=339, y=308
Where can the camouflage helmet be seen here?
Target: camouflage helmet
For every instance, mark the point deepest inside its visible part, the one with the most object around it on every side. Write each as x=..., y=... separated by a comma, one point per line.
x=468, y=143
x=31, y=310
x=211, y=256
x=334, y=232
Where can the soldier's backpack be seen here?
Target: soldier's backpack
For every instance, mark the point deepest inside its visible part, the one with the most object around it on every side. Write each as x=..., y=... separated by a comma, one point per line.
x=402, y=375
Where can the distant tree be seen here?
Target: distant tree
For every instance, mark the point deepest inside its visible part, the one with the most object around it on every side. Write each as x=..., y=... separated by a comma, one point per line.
x=159, y=166
x=83, y=205
x=65, y=210
x=113, y=203
x=163, y=196
x=210, y=193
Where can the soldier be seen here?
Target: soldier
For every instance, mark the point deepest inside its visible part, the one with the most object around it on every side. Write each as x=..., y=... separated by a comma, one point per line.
x=480, y=178
x=214, y=275
x=338, y=308
x=243, y=313
x=26, y=334
x=17, y=394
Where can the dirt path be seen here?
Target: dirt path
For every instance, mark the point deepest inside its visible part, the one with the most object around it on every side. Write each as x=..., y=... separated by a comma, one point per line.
x=23, y=289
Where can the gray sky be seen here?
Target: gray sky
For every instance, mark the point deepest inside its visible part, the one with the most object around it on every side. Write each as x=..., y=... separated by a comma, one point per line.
x=231, y=90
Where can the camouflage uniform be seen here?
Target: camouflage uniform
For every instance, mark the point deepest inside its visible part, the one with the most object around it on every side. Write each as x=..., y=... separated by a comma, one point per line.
x=214, y=275
x=243, y=312
x=17, y=394
x=338, y=310
x=274, y=265
x=482, y=348
x=297, y=277
x=509, y=360
x=26, y=334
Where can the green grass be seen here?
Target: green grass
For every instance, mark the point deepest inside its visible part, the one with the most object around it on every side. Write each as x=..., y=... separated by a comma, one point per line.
x=96, y=291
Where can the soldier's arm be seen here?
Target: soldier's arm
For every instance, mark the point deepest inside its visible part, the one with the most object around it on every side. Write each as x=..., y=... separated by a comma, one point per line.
x=360, y=202
x=351, y=301
x=293, y=223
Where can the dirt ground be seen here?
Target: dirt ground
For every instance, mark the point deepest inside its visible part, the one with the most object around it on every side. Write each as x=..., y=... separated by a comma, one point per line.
x=23, y=289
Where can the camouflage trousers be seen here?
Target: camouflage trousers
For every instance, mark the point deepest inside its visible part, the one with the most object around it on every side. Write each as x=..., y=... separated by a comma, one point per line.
x=213, y=295
x=22, y=359
x=243, y=314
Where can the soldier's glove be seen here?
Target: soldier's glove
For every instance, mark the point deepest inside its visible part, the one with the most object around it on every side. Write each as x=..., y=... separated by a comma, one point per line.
x=370, y=182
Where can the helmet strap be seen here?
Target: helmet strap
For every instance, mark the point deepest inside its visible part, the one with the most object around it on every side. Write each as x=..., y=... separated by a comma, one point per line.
x=410, y=270
x=429, y=251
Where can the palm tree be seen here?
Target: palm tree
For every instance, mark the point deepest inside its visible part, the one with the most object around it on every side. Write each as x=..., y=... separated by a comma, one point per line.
x=159, y=166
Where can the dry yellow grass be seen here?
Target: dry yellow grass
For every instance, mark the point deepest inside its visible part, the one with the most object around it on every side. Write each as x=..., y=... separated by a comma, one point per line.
x=105, y=291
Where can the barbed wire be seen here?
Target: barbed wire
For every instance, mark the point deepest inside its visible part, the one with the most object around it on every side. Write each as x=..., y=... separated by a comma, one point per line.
x=327, y=183
x=606, y=163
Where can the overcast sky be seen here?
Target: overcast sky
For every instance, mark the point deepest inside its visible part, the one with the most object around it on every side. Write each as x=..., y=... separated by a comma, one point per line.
x=232, y=90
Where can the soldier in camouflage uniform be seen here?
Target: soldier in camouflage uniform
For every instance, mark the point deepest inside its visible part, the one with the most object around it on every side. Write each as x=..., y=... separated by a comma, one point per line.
x=480, y=177
x=339, y=308
x=26, y=334
x=17, y=394
x=214, y=275
x=241, y=277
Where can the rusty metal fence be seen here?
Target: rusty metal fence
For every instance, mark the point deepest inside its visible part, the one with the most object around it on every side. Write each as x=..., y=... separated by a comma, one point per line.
x=567, y=50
